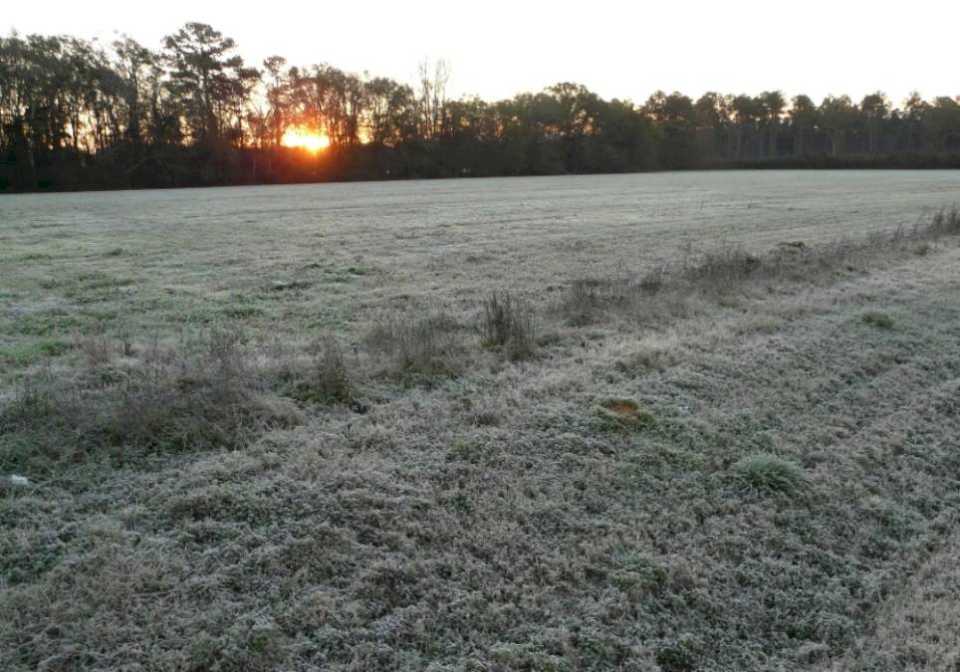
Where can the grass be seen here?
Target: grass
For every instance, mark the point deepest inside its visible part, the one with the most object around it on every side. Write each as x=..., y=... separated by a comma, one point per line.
x=634, y=471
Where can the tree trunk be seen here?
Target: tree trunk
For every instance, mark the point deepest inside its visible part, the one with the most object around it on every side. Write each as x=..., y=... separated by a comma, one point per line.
x=26, y=170
x=835, y=142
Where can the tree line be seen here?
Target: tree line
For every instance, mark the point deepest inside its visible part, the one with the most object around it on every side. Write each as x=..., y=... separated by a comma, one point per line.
x=74, y=114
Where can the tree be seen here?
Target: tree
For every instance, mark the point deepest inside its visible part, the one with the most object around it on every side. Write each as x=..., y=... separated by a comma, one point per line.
x=837, y=115
x=309, y=91
x=942, y=121
x=875, y=110
x=234, y=91
x=915, y=110
x=391, y=112
x=433, y=96
x=772, y=104
x=201, y=66
x=676, y=120
x=803, y=119
x=627, y=137
x=133, y=67
x=746, y=112
x=278, y=99
x=19, y=96
x=711, y=111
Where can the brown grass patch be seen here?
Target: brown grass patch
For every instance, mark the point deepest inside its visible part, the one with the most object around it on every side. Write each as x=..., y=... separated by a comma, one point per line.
x=624, y=414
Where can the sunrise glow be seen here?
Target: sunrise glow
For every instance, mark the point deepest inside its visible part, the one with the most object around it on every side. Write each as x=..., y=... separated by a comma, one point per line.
x=306, y=139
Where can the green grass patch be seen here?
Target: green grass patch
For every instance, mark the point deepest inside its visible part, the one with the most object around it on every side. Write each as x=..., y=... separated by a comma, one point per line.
x=878, y=320
x=34, y=256
x=49, y=323
x=25, y=354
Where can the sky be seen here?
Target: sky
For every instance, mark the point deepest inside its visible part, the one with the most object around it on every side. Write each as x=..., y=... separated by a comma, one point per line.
x=626, y=50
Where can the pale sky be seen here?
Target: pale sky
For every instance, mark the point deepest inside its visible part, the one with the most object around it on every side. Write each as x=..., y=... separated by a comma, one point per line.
x=618, y=49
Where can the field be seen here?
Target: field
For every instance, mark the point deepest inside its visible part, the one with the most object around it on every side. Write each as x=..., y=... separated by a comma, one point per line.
x=698, y=421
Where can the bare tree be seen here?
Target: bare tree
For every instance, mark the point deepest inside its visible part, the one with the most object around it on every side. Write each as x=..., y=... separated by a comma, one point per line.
x=433, y=96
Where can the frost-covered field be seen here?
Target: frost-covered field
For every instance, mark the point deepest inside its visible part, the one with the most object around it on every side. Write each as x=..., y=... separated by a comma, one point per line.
x=547, y=224
x=189, y=252
x=273, y=428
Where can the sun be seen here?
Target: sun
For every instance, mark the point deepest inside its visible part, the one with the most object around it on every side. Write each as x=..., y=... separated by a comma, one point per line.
x=305, y=139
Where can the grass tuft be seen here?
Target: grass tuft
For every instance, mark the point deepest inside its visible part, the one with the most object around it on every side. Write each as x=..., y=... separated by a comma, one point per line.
x=945, y=222
x=327, y=380
x=765, y=472
x=509, y=322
